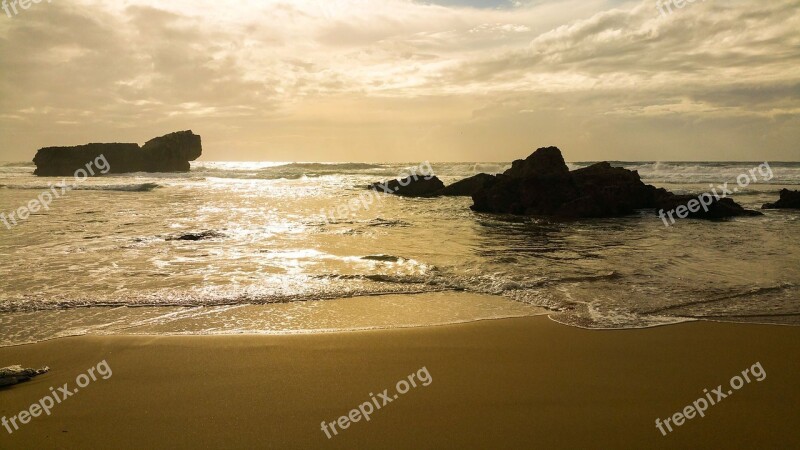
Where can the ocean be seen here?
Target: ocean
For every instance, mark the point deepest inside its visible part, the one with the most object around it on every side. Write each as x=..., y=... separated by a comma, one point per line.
x=107, y=258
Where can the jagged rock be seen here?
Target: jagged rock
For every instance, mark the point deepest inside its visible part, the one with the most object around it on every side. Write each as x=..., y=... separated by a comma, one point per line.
x=542, y=185
x=538, y=185
x=607, y=191
x=415, y=186
x=789, y=200
x=170, y=153
x=544, y=162
x=468, y=186
x=16, y=374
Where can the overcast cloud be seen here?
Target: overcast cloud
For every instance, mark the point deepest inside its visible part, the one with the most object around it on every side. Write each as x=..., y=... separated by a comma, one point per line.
x=395, y=80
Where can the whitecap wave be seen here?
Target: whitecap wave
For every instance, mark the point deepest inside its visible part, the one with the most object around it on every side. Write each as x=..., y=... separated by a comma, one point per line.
x=138, y=187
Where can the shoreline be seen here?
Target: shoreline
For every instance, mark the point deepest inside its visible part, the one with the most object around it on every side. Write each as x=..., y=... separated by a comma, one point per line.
x=505, y=382
x=402, y=327
x=359, y=313
x=340, y=315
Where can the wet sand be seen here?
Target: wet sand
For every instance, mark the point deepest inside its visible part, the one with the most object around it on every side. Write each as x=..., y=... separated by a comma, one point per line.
x=510, y=383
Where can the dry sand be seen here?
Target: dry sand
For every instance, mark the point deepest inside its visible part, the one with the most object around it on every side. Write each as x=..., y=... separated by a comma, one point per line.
x=511, y=383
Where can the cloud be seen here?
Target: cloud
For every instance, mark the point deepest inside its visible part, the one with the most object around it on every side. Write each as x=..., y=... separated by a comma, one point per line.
x=335, y=79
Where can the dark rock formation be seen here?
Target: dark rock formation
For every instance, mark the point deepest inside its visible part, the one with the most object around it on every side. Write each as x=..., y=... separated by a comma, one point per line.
x=544, y=162
x=16, y=374
x=469, y=186
x=433, y=187
x=789, y=200
x=538, y=185
x=414, y=186
x=718, y=209
x=170, y=153
x=606, y=191
x=542, y=185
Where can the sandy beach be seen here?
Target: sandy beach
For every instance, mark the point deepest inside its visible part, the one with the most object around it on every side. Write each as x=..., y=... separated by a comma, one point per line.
x=510, y=383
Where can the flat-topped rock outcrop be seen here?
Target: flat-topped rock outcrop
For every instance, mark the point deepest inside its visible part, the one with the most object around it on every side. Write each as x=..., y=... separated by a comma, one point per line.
x=169, y=153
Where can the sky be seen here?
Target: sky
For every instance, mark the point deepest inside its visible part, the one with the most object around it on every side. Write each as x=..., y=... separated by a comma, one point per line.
x=403, y=80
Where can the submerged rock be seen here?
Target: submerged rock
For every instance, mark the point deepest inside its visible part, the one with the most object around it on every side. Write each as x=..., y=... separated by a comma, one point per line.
x=542, y=185
x=789, y=200
x=414, y=186
x=196, y=236
x=16, y=374
x=722, y=208
x=170, y=153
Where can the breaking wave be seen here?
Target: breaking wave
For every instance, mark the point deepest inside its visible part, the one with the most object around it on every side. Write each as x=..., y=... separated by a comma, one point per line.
x=139, y=187
x=787, y=173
